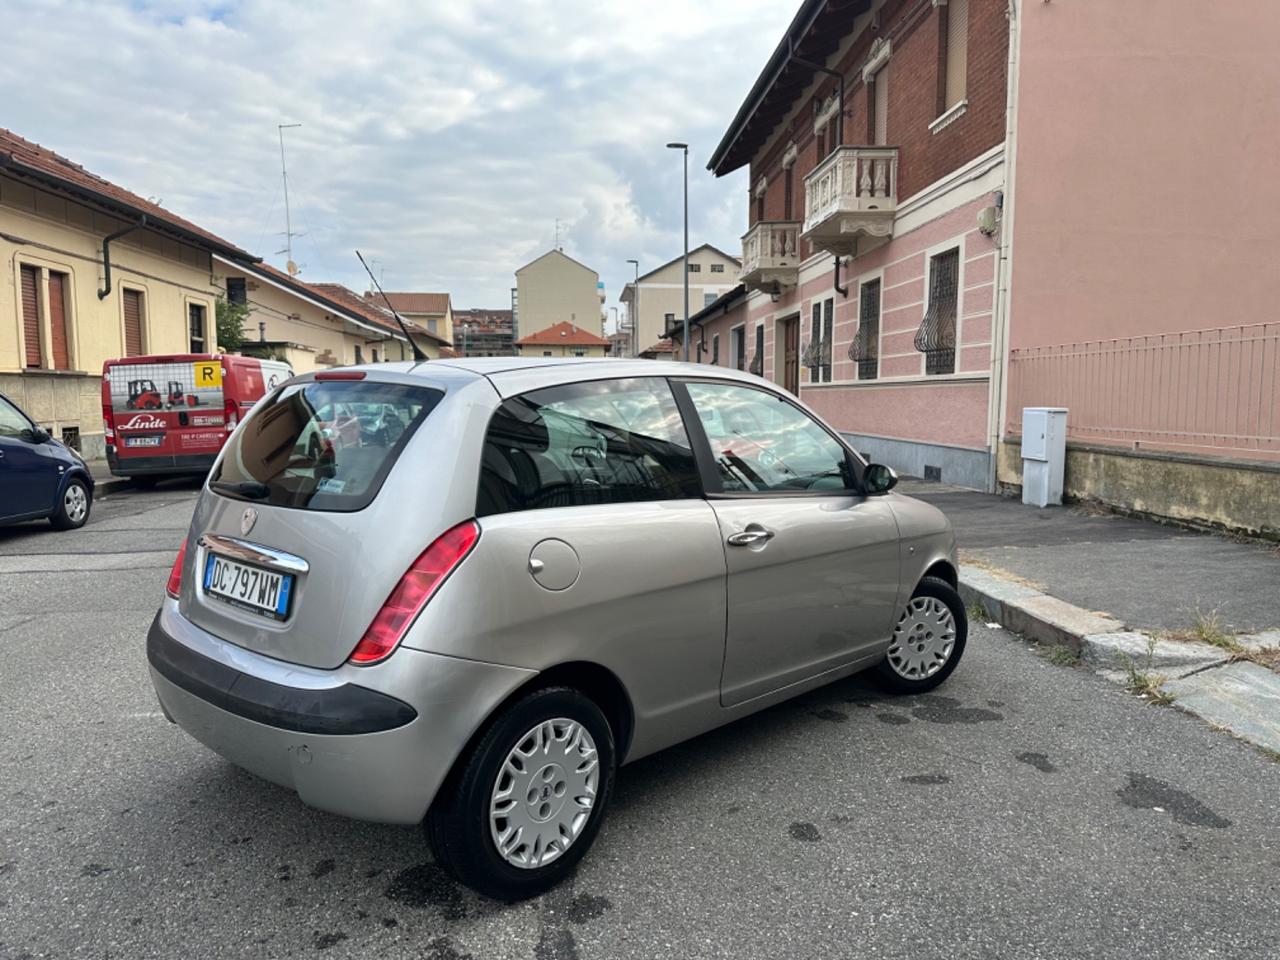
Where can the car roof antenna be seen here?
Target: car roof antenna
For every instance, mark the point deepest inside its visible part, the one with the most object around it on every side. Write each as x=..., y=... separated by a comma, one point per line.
x=417, y=350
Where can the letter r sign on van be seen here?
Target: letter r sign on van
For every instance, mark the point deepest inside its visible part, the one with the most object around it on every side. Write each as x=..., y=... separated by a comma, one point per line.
x=208, y=373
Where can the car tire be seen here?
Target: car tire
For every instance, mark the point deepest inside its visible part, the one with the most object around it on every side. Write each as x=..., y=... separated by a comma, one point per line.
x=73, y=506
x=466, y=821
x=928, y=640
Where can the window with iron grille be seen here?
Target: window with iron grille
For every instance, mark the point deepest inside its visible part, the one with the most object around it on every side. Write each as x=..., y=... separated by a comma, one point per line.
x=695, y=268
x=717, y=268
x=817, y=354
x=865, y=349
x=738, y=347
x=936, y=338
x=195, y=323
x=237, y=291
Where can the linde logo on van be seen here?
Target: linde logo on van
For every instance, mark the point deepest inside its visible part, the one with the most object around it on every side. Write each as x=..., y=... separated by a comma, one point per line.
x=143, y=421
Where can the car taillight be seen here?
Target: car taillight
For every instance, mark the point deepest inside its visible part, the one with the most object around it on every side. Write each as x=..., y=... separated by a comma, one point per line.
x=174, y=586
x=415, y=588
x=108, y=424
x=230, y=415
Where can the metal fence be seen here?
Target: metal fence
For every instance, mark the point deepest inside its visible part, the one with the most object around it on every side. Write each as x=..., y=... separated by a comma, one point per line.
x=1211, y=391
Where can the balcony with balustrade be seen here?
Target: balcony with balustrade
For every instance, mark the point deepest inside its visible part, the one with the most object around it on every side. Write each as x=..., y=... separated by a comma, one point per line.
x=771, y=255
x=851, y=194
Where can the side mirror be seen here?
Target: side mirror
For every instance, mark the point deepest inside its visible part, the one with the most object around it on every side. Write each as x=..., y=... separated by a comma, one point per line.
x=36, y=434
x=878, y=478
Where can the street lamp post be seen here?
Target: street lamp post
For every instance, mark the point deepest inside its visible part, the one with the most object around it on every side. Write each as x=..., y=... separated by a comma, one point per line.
x=635, y=310
x=685, y=147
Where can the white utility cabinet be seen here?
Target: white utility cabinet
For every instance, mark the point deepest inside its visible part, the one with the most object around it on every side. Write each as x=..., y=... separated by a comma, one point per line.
x=1044, y=454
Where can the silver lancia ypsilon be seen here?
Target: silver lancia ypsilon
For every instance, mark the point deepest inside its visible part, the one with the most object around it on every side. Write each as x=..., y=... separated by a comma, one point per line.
x=464, y=592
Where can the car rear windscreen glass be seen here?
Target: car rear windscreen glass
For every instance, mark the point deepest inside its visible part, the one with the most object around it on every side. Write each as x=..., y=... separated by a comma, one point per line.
x=322, y=445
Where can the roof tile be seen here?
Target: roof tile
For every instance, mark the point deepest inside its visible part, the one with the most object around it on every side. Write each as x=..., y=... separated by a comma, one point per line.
x=14, y=149
x=563, y=332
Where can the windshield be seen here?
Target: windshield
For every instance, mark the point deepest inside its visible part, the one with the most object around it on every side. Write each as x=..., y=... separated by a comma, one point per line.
x=323, y=445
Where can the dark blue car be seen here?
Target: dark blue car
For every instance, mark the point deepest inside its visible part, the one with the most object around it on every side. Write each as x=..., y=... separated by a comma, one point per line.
x=40, y=476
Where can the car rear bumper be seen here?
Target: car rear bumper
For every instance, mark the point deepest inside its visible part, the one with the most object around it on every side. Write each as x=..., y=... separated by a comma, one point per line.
x=370, y=743
x=129, y=466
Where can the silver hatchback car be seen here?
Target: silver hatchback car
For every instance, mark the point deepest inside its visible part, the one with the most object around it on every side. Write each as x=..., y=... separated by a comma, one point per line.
x=463, y=593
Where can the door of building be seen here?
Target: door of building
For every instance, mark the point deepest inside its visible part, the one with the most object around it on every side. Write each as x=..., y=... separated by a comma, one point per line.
x=791, y=354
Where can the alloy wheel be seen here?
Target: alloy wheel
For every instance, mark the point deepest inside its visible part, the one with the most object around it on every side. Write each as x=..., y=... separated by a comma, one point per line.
x=75, y=503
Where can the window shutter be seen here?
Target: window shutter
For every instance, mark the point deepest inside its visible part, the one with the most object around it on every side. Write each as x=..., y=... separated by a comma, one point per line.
x=58, y=321
x=957, y=49
x=31, y=315
x=132, y=323
x=882, y=106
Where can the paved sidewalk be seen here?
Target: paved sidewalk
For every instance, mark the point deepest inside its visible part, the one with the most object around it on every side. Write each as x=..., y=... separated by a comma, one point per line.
x=1148, y=575
x=1172, y=612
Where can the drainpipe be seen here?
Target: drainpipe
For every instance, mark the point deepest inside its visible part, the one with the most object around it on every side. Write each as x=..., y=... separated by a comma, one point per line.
x=106, y=253
x=997, y=398
x=843, y=291
x=791, y=52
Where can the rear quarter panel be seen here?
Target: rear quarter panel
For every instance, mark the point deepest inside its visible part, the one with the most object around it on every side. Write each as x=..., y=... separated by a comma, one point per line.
x=648, y=604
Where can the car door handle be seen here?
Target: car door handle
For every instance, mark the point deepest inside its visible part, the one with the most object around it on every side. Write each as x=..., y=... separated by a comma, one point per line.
x=751, y=536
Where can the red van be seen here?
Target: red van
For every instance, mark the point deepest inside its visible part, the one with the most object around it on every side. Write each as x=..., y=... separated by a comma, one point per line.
x=170, y=415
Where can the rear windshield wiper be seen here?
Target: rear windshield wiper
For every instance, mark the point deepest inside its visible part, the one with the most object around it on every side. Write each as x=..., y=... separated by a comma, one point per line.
x=242, y=488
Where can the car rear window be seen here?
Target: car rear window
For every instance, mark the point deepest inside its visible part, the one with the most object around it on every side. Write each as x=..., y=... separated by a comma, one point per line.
x=322, y=445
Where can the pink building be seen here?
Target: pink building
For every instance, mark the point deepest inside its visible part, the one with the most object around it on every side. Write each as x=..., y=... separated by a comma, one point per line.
x=959, y=208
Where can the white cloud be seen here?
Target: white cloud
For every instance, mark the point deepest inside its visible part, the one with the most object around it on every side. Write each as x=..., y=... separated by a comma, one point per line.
x=442, y=139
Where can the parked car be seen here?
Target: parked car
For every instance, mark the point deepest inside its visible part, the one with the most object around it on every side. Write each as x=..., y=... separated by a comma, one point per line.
x=179, y=432
x=553, y=568
x=40, y=477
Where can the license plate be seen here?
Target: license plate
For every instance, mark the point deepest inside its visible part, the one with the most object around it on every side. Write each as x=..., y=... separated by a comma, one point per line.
x=264, y=592
x=143, y=441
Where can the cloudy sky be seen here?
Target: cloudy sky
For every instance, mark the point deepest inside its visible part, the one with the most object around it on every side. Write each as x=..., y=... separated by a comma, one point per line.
x=443, y=139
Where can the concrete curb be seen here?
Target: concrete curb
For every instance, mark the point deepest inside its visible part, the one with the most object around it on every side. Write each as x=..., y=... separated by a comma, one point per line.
x=105, y=486
x=1028, y=611
x=1241, y=697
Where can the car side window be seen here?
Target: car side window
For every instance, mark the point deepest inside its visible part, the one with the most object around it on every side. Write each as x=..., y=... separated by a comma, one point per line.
x=762, y=444
x=604, y=441
x=12, y=420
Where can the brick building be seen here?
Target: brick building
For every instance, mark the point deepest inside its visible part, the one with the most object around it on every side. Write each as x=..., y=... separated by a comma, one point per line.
x=960, y=208
x=891, y=180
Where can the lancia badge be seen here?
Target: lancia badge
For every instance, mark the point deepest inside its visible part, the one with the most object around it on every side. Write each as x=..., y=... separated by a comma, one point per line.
x=247, y=520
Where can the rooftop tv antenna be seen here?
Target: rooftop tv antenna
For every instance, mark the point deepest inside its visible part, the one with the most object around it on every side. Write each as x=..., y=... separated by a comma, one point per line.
x=417, y=350
x=290, y=266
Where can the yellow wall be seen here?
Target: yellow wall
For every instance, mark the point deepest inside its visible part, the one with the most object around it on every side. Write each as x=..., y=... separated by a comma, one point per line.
x=444, y=325
x=58, y=234
x=62, y=235
x=555, y=288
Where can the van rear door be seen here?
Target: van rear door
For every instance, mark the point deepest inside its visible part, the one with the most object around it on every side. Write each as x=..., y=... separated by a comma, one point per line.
x=167, y=407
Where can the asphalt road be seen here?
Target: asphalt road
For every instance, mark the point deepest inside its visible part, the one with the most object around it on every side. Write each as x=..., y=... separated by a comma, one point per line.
x=1026, y=810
